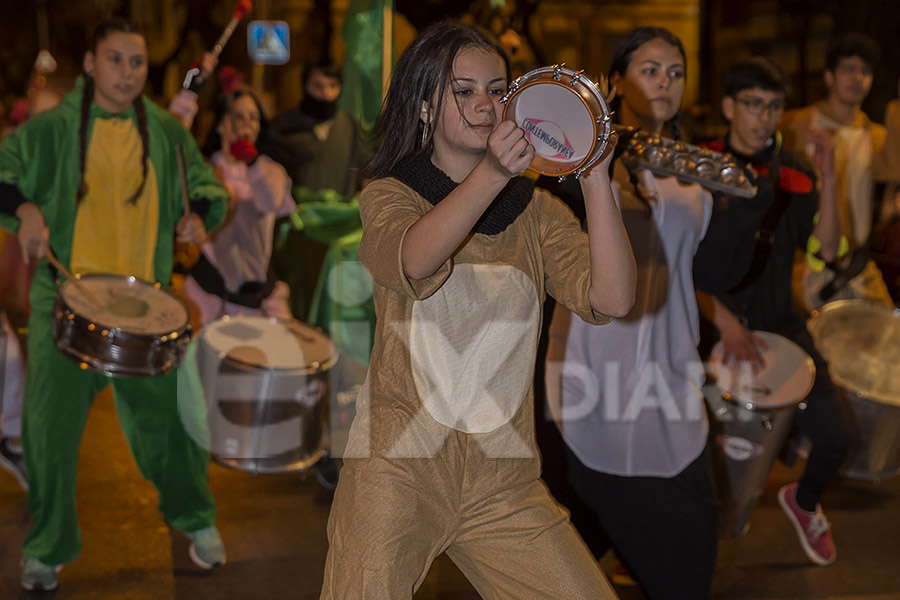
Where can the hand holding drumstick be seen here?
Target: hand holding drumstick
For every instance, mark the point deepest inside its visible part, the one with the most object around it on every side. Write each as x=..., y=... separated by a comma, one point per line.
x=33, y=234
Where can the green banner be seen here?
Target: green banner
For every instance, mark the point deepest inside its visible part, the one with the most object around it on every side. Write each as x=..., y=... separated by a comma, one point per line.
x=364, y=32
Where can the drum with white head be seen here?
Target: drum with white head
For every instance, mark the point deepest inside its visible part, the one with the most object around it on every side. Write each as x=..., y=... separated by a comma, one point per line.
x=120, y=326
x=861, y=342
x=752, y=416
x=266, y=386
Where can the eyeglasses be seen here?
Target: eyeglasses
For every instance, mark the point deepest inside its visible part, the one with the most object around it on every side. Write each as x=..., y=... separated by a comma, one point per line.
x=755, y=106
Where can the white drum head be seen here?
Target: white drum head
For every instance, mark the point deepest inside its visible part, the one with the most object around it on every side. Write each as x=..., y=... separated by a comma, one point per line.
x=861, y=342
x=125, y=303
x=785, y=379
x=268, y=343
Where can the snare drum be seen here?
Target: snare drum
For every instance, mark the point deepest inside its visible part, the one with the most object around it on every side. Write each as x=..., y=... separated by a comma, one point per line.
x=752, y=416
x=564, y=116
x=266, y=385
x=861, y=342
x=120, y=326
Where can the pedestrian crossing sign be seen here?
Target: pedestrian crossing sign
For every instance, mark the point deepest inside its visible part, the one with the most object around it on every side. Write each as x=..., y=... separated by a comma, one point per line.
x=269, y=42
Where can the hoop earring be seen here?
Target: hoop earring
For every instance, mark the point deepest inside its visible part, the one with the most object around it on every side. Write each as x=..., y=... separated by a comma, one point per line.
x=424, y=134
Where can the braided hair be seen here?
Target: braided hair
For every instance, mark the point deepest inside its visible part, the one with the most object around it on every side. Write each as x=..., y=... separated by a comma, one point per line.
x=87, y=96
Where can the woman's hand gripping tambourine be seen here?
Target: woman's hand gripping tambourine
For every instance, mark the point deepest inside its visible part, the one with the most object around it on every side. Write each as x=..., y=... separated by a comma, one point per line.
x=565, y=116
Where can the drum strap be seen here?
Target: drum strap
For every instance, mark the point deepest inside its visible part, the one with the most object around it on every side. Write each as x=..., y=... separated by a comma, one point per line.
x=765, y=235
x=842, y=276
x=251, y=294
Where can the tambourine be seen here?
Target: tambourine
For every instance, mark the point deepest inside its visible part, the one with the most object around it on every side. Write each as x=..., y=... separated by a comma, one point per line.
x=565, y=117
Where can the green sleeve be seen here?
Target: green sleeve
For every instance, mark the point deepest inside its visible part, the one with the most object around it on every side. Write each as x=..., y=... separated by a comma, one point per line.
x=12, y=171
x=202, y=183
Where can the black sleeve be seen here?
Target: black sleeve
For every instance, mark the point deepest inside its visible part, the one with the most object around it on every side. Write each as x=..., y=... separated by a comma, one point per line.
x=10, y=199
x=802, y=210
x=725, y=253
x=200, y=207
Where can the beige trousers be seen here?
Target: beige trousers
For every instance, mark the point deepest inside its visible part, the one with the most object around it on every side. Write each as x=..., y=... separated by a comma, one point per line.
x=392, y=517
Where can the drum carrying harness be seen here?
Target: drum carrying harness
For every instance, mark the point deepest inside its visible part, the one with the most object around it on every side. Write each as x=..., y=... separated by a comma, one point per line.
x=765, y=235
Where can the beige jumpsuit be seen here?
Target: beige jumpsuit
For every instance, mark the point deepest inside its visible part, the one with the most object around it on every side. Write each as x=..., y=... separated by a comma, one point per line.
x=442, y=454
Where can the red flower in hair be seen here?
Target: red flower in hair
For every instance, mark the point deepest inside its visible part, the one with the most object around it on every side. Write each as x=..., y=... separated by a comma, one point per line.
x=230, y=79
x=243, y=150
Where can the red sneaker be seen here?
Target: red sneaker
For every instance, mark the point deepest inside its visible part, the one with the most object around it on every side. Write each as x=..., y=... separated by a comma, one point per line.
x=812, y=528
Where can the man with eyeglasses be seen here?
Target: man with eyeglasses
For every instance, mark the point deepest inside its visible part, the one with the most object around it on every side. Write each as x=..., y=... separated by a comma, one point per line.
x=857, y=141
x=795, y=210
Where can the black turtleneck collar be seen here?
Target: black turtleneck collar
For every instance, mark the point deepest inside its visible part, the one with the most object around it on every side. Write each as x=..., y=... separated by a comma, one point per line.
x=419, y=173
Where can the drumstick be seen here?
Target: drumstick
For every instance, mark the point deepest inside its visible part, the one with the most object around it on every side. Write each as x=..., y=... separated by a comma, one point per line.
x=182, y=172
x=194, y=79
x=75, y=281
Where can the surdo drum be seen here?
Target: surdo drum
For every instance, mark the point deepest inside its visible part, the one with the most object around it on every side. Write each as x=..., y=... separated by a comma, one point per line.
x=564, y=116
x=861, y=342
x=120, y=326
x=752, y=416
x=266, y=387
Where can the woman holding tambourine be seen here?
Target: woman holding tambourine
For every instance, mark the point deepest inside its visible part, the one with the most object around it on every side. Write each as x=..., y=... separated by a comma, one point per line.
x=463, y=250
x=627, y=395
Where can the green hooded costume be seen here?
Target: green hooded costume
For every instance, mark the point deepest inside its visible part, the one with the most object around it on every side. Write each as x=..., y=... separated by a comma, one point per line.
x=40, y=163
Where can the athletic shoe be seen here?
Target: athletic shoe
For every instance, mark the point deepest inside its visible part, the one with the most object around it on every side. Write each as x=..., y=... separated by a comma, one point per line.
x=207, y=549
x=14, y=462
x=812, y=527
x=37, y=576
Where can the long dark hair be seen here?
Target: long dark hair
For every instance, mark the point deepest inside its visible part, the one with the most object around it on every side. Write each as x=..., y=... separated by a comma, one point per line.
x=224, y=106
x=87, y=96
x=422, y=74
x=621, y=58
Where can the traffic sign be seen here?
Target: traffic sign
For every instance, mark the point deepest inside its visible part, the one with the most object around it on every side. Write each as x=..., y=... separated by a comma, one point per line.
x=269, y=42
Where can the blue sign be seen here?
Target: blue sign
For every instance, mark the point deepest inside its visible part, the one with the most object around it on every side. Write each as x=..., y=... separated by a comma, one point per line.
x=269, y=42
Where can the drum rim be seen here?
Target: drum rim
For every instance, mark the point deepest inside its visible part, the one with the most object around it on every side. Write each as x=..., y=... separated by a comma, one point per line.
x=112, y=369
x=176, y=332
x=536, y=76
x=817, y=315
x=760, y=407
x=310, y=369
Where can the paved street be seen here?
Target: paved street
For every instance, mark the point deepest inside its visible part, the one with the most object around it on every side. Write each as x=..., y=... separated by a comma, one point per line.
x=274, y=529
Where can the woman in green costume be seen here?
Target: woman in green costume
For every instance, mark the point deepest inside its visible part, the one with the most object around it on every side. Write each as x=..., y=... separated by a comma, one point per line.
x=95, y=180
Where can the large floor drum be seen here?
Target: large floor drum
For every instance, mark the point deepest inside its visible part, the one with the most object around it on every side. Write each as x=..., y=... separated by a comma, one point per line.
x=266, y=387
x=861, y=342
x=752, y=416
